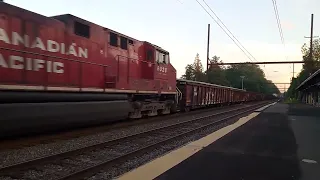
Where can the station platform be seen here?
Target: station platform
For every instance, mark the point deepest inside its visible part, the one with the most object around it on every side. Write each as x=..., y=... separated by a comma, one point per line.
x=280, y=142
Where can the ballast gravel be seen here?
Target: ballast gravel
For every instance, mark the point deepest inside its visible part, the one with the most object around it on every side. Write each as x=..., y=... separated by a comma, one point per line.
x=135, y=162
x=53, y=171
x=12, y=157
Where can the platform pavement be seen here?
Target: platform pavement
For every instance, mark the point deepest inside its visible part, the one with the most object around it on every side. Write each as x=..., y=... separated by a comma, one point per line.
x=282, y=142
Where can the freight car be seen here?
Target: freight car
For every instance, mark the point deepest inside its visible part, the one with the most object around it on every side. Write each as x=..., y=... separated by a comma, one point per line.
x=196, y=94
x=64, y=72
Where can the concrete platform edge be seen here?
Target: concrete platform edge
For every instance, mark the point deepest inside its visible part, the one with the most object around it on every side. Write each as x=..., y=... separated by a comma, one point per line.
x=158, y=166
x=265, y=107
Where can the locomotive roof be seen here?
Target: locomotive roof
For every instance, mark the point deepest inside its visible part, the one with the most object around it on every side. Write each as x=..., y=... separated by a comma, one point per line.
x=209, y=84
x=12, y=10
x=61, y=17
x=157, y=47
x=57, y=19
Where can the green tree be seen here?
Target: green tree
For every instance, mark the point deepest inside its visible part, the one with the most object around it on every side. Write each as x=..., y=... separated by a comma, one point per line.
x=309, y=67
x=194, y=71
x=216, y=74
x=254, y=77
x=189, y=73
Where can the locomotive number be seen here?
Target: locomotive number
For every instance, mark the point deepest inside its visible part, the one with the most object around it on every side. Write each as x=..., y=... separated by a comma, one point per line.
x=162, y=69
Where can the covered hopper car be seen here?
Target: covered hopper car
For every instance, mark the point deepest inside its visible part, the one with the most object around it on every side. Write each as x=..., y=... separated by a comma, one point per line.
x=63, y=72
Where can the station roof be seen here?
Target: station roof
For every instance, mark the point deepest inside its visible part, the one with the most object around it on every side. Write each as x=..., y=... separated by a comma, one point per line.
x=313, y=80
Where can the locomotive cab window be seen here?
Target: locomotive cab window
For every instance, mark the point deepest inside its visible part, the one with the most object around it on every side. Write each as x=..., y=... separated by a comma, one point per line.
x=149, y=55
x=81, y=29
x=166, y=59
x=124, y=43
x=162, y=58
x=113, y=39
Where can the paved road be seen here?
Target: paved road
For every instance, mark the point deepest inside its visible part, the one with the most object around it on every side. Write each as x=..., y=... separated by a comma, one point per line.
x=281, y=143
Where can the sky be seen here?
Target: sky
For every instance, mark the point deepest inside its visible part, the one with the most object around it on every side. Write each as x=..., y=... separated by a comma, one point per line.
x=180, y=27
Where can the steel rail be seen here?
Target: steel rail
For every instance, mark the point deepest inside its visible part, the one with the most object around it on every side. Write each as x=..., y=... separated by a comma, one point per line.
x=81, y=174
x=41, y=160
x=123, y=123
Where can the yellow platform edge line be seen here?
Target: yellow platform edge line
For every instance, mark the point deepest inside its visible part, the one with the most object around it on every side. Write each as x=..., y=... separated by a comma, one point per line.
x=265, y=107
x=158, y=166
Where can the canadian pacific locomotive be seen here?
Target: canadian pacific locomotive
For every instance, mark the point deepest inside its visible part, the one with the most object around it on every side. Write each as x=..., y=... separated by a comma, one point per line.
x=63, y=71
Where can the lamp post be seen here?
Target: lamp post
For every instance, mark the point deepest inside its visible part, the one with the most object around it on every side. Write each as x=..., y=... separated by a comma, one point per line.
x=242, y=77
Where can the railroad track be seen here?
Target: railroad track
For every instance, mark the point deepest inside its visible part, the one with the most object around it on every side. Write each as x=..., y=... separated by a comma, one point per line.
x=56, y=136
x=87, y=161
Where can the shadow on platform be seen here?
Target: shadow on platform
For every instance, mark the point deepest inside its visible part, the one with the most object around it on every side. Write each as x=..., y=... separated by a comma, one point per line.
x=265, y=148
x=304, y=110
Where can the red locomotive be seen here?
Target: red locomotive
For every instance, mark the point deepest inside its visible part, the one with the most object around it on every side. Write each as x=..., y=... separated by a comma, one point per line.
x=59, y=71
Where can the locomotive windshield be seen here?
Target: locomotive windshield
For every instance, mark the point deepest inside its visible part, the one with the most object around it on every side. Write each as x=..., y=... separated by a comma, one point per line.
x=162, y=57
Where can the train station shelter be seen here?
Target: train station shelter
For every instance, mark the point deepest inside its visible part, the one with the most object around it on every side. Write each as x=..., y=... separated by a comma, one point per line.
x=309, y=89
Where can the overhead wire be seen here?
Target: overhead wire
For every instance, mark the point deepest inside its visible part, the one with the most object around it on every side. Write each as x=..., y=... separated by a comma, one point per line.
x=275, y=8
x=278, y=21
x=228, y=30
x=180, y=1
x=241, y=47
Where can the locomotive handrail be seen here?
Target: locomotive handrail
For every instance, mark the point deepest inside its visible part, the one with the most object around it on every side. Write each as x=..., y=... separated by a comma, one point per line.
x=179, y=97
x=70, y=59
x=134, y=59
x=81, y=62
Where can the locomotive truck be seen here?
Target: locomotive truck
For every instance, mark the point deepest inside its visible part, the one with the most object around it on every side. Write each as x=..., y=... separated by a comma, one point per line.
x=63, y=71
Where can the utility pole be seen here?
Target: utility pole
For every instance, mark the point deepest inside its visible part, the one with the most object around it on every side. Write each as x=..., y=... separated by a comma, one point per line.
x=292, y=71
x=311, y=38
x=208, y=44
x=242, y=77
x=311, y=45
